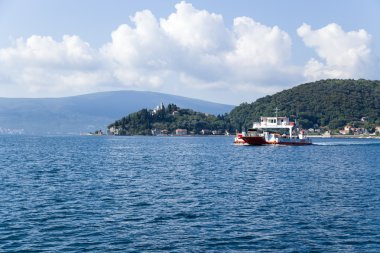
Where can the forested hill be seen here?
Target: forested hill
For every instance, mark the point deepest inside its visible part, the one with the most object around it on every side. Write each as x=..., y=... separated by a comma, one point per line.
x=327, y=103
x=165, y=120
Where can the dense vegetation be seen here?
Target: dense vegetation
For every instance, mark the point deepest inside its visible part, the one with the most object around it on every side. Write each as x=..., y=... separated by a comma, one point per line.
x=168, y=119
x=328, y=104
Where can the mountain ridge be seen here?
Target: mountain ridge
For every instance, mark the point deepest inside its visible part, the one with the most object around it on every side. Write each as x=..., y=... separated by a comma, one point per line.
x=88, y=112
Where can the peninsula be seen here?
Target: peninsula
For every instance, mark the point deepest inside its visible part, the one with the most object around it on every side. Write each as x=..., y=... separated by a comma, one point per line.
x=170, y=120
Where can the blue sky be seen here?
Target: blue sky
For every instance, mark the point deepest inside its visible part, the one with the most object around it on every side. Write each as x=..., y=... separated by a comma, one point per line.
x=223, y=51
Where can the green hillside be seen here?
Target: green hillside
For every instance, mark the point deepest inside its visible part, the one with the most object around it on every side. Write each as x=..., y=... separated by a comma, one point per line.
x=167, y=119
x=326, y=103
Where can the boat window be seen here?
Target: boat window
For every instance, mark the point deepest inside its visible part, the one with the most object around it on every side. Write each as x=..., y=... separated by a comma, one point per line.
x=273, y=121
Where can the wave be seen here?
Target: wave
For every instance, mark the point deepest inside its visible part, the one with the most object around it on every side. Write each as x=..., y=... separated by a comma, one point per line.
x=345, y=143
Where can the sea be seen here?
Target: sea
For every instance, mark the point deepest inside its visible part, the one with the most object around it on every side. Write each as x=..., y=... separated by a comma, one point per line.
x=187, y=194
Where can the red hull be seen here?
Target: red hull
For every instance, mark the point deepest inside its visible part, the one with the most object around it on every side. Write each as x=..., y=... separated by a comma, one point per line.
x=258, y=140
x=254, y=140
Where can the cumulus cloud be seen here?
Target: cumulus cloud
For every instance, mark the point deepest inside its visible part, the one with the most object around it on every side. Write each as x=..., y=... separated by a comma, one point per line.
x=45, y=51
x=190, y=48
x=197, y=30
x=189, y=51
x=139, y=56
x=258, y=51
x=194, y=48
x=42, y=65
x=342, y=54
x=188, y=43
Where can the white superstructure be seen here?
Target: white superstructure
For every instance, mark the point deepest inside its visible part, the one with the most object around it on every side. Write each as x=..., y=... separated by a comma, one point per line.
x=274, y=123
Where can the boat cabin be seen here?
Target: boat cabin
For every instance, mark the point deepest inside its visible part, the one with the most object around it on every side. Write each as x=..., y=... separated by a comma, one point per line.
x=277, y=122
x=274, y=121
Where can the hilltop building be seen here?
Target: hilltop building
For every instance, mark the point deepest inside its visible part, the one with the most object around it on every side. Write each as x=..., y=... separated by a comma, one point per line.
x=158, y=108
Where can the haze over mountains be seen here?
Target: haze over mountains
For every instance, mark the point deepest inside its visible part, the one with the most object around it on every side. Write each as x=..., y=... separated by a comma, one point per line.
x=85, y=113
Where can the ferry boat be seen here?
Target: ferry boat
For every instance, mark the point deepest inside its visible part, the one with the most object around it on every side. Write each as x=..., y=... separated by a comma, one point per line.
x=263, y=133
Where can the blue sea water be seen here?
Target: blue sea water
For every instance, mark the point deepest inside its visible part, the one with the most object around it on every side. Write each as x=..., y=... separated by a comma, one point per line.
x=187, y=194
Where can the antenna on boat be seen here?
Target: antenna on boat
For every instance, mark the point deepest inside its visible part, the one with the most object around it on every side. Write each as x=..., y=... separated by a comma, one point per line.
x=276, y=110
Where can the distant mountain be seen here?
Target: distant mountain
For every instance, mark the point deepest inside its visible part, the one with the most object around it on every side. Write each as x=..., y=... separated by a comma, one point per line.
x=326, y=103
x=84, y=113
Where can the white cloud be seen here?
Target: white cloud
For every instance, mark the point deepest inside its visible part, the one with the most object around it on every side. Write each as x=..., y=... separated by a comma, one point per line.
x=343, y=54
x=257, y=44
x=139, y=56
x=191, y=52
x=43, y=66
x=190, y=49
x=197, y=30
x=194, y=48
x=45, y=51
x=259, y=50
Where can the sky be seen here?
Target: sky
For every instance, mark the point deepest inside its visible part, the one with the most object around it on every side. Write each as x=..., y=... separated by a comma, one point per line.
x=222, y=51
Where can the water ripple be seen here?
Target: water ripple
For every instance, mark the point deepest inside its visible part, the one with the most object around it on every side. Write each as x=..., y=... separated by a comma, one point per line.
x=177, y=194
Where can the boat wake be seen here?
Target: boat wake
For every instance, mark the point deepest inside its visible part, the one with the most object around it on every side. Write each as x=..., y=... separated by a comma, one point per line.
x=345, y=143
